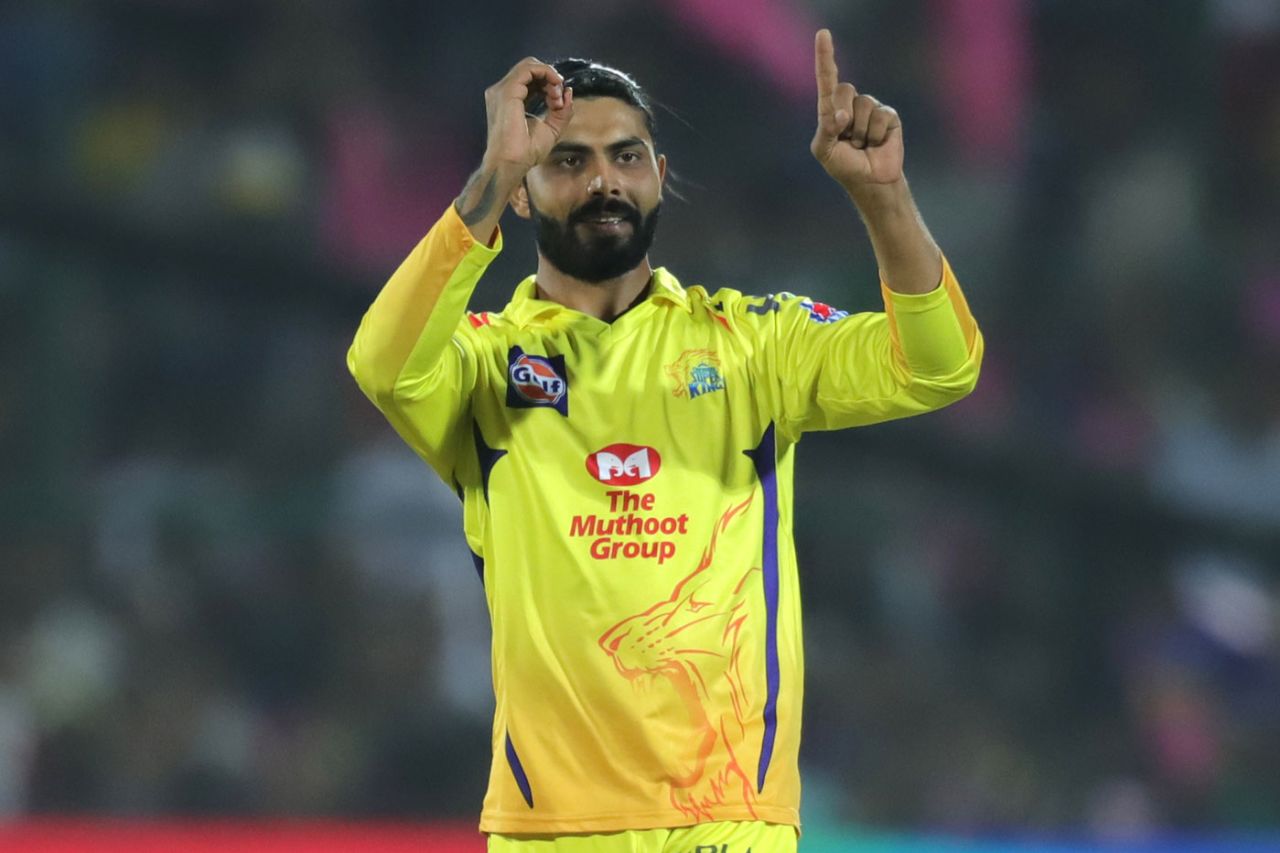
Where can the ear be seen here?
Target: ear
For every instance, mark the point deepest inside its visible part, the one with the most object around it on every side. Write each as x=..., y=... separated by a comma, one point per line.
x=662, y=173
x=520, y=201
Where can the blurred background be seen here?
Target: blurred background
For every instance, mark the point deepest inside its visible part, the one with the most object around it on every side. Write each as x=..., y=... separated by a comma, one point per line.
x=227, y=589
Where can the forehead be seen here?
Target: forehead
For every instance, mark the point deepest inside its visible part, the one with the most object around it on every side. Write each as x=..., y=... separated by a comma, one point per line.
x=600, y=121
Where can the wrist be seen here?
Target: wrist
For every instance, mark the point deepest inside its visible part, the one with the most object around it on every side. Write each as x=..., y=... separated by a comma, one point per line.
x=871, y=199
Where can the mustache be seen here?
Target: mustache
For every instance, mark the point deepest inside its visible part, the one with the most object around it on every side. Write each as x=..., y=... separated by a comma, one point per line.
x=605, y=207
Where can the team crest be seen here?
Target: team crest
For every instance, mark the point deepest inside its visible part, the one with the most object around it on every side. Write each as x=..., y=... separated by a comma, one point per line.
x=820, y=312
x=537, y=381
x=696, y=372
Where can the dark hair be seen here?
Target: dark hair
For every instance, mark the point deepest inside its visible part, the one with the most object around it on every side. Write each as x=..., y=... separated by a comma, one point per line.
x=593, y=80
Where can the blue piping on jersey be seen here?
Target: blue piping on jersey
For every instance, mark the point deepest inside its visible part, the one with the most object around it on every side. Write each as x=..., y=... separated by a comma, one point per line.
x=487, y=456
x=517, y=770
x=766, y=462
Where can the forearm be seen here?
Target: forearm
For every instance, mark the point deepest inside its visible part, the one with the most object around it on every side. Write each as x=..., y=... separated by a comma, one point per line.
x=419, y=308
x=909, y=259
x=484, y=199
x=933, y=333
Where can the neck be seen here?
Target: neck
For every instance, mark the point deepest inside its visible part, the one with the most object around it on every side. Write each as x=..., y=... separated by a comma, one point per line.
x=604, y=300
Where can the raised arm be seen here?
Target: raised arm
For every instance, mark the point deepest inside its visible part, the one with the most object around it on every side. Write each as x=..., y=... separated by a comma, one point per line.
x=516, y=141
x=419, y=308
x=924, y=351
x=859, y=142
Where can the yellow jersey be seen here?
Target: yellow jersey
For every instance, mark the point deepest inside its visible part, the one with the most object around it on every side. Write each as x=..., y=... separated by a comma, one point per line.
x=627, y=492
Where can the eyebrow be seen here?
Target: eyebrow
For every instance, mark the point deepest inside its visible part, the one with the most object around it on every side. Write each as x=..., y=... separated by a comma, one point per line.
x=613, y=147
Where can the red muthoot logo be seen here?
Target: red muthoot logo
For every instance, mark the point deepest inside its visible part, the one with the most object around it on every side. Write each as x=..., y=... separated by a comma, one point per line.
x=624, y=464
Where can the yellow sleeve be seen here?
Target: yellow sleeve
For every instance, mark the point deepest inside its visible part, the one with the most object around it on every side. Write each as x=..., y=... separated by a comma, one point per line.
x=413, y=355
x=922, y=353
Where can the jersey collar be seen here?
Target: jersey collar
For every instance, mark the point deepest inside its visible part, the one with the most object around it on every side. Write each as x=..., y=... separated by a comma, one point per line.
x=525, y=306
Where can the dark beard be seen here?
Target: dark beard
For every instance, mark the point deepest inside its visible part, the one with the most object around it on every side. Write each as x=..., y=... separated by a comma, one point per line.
x=597, y=258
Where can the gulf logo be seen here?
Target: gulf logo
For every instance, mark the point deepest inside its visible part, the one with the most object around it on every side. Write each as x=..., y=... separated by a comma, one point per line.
x=624, y=464
x=820, y=312
x=536, y=381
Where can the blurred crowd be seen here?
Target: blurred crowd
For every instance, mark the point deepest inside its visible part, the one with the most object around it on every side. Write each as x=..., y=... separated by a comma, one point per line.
x=227, y=588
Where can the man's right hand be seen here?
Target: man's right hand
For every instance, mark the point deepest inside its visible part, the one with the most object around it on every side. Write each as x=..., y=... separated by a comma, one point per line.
x=516, y=141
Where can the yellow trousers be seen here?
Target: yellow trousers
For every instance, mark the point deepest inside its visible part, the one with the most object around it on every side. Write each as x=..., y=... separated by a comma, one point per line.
x=752, y=836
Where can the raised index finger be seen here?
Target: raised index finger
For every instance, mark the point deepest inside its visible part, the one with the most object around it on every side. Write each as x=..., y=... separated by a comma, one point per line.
x=824, y=67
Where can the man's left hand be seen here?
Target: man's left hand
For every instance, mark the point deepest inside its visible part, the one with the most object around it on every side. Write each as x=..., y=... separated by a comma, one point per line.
x=859, y=139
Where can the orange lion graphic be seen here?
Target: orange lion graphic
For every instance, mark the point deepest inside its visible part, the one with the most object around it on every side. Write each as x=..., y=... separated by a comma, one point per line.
x=702, y=666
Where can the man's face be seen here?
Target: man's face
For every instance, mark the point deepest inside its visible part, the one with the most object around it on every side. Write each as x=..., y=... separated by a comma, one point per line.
x=595, y=197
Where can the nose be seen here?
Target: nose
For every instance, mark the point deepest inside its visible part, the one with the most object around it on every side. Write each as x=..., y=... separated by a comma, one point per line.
x=603, y=183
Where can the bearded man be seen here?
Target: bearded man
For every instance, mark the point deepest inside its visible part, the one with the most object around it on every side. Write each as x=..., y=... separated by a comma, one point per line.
x=623, y=447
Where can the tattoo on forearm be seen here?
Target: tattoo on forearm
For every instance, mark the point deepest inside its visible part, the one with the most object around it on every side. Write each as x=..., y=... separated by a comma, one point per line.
x=476, y=201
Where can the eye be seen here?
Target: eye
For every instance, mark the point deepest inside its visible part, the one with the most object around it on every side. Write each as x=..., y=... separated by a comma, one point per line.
x=629, y=156
x=570, y=160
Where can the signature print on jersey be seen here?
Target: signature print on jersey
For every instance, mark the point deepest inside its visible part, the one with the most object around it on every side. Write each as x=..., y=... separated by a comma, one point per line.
x=696, y=372
x=537, y=381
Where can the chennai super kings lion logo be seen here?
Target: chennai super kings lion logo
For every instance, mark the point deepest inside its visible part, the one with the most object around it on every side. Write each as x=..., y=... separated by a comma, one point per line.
x=696, y=372
x=704, y=667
